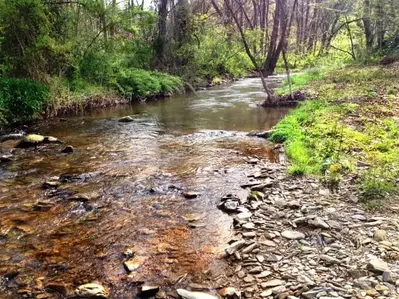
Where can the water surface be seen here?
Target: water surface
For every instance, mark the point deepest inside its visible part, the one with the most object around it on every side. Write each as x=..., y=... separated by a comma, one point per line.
x=134, y=176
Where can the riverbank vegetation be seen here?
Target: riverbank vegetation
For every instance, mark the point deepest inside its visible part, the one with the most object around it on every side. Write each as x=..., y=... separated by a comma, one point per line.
x=351, y=129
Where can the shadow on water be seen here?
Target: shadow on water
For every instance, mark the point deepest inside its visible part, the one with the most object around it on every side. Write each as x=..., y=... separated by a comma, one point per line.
x=130, y=195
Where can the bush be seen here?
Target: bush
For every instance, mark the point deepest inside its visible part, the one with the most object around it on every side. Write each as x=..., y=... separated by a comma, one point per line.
x=21, y=99
x=141, y=83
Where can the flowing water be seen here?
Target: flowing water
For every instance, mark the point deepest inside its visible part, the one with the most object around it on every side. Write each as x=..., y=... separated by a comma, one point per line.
x=131, y=176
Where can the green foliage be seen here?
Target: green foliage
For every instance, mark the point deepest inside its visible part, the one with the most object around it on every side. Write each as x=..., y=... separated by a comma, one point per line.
x=141, y=83
x=21, y=99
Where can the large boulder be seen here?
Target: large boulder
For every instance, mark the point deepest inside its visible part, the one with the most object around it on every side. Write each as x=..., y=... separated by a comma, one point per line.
x=36, y=139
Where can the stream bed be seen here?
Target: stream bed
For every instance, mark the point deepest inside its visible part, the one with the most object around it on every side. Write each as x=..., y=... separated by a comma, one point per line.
x=121, y=191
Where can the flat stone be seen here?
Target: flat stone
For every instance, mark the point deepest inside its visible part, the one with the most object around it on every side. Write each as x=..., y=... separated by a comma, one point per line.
x=244, y=215
x=91, y=290
x=272, y=283
x=377, y=266
x=255, y=270
x=266, y=293
x=318, y=222
x=234, y=247
x=264, y=274
x=194, y=295
x=250, y=248
x=135, y=263
x=293, y=235
x=268, y=243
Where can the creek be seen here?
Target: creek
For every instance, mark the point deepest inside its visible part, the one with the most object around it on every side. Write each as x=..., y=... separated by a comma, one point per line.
x=130, y=178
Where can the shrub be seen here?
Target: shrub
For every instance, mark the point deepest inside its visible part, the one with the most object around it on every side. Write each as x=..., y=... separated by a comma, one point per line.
x=22, y=99
x=141, y=83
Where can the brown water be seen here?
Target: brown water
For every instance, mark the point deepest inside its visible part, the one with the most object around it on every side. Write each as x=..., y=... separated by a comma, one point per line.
x=133, y=173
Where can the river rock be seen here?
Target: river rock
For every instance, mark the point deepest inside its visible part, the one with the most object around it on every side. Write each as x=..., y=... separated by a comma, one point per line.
x=126, y=119
x=91, y=290
x=387, y=277
x=194, y=295
x=230, y=293
x=190, y=194
x=68, y=150
x=135, y=263
x=272, y=283
x=318, y=222
x=30, y=140
x=380, y=235
x=148, y=290
x=377, y=266
x=293, y=235
x=234, y=247
x=5, y=158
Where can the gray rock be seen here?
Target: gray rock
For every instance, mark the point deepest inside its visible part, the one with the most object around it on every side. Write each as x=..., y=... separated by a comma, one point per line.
x=293, y=235
x=91, y=290
x=234, y=247
x=272, y=283
x=387, y=277
x=318, y=222
x=377, y=266
x=190, y=194
x=194, y=295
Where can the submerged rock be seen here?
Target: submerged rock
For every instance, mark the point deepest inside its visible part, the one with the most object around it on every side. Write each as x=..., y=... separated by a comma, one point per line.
x=5, y=159
x=135, y=263
x=148, y=290
x=68, y=150
x=30, y=140
x=91, y=290
x=35, y=139
x=190, y=194
x=126, y=119
x=194, y=295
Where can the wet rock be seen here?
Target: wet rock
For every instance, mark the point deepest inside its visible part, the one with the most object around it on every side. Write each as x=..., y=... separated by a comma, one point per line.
x=380, y=235
x=148, y=290
x=128, y=253
x=293, y=235
x=194, y=295
x=377, y=266
x=57, y=287
x=135, y=263
x=126, y=119
x=228, y=206
x=31, y=140
x=91, y=290
x=260, y=134
x=68, y=149
x=5, y=158
x=190, y=194
x=13, y=136
x=51, y=184
x=84, y=197
x=230, y=293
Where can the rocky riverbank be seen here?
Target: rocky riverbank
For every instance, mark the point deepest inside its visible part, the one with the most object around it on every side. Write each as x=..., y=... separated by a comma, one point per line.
x=296, y=239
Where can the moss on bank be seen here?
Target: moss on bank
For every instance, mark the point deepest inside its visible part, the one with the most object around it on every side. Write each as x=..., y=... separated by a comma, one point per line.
x=352, y=128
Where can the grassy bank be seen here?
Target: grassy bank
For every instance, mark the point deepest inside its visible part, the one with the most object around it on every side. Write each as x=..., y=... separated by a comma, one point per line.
x=352, y=128
x=23, y=100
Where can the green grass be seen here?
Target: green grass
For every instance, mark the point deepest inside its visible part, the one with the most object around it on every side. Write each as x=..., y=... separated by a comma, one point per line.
x=353, y=123
x=300, y=81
